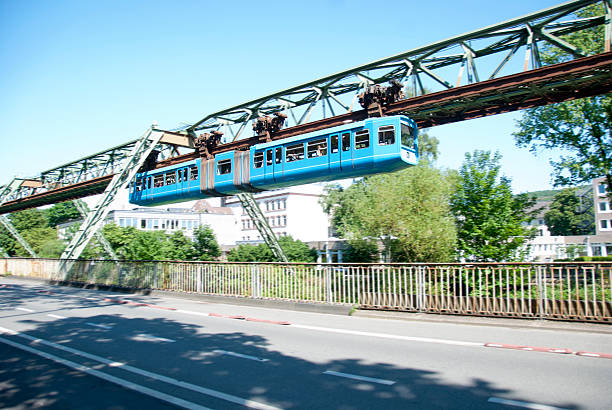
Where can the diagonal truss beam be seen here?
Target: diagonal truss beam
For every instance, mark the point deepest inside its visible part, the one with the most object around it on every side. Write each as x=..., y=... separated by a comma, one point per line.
x=121, y=179
x=99, y=235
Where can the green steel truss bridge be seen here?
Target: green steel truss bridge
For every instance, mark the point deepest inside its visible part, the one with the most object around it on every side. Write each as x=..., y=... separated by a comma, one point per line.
x=487, y=71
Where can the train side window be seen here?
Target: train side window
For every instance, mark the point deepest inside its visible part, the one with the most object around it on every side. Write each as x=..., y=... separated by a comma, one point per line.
x=139, y=184
x=333, y=144
x=269, y=157
x=386, y=135
x=278, y=157
x=180, y=176
x=362, y=139
x=258, y=160
x=194, y=173
x=407, y=136
x=149, y=183
x=294, y=152
x=317, y=148
x=170, y=178
x=185, y=175
x=158, y=180
x=224, y=167
x=346, y=141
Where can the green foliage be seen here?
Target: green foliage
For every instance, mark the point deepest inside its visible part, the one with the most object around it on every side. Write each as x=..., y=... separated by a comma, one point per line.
x=566, y=215
x=132, y=244
x=361, y=251
x=62, y=212
x=295, y=250
x=407, y=210
x=489, y=218
x=581, y=127
x=205, y=246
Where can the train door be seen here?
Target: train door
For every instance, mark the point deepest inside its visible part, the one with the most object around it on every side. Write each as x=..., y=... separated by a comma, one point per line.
x=278, y=163
x=269, y=166
x=346, y=153
x=182, y=184
x=334, y=154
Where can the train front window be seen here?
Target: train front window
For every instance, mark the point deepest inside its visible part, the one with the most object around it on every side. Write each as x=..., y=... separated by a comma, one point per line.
x=386, y=135
x=278, y=156
x=317, y=148
x=224, y=167
x=346, y=141
x=362, y=139
x=258, y=160
x=407, y=136
x=294, y=152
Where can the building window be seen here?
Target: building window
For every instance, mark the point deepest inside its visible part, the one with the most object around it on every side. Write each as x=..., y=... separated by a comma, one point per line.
x=121, y=222
x=284, y=204
x=603, y=223
x=183, y=224
x=603, y=206
x=284, y=220
x=143, y=223
x=278, y=220
x=601, y=188
x=267, y=206
x=156, y=224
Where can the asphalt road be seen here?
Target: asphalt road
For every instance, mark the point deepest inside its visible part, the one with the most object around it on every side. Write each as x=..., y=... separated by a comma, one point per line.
x=69, y=348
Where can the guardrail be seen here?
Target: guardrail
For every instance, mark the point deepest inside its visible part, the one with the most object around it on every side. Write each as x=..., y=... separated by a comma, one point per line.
x=580, y=291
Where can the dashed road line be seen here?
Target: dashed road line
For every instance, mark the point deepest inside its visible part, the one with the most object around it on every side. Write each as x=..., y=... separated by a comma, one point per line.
x=99, y=325
x=240, y=355
x=145, y=337
x=25, y=310
x=524, y=404
x=360, y=378
x=113, y=379
x=185, y=385
x=56, y=316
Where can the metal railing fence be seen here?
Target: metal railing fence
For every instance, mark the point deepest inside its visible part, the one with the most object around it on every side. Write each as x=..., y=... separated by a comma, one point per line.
x=579, y=291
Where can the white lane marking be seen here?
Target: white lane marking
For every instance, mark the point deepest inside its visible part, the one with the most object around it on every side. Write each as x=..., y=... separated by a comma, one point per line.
x=144, y=337
x=361, y=378
x=191, y=312
x=56, y=316
x=240, y=355
x=524, y=404
x=99, y=325
x=155, y=376
x=390, y=336
x=25, y=310
x=116, y=380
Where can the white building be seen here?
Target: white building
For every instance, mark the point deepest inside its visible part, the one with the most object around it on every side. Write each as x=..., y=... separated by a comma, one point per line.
x=293, y=211
x=221, y=220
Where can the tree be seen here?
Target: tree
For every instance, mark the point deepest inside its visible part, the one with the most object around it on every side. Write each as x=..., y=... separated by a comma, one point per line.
x=60, y=213
x=491, y=222
x=361, y=251
x=407, y=210
x=177, y=247
x=295, y=250
x=580, y=126
x=566, y=215
x=205, y=245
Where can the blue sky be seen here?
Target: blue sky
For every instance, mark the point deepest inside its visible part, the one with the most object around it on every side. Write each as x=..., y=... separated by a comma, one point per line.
x=78, y=77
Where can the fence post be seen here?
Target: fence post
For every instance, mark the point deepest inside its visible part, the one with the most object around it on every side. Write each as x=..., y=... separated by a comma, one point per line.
x=255, y=285
x=421, y=297
x=539, y=283
x=328, y=285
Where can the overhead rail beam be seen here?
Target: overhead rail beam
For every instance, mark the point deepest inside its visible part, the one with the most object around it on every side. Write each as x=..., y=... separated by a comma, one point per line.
x=457, y=73
x=428, y=67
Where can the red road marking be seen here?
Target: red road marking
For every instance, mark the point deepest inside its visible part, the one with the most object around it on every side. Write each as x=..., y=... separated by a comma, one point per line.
x=159, y=307
x=530, y=348
x=252, y=319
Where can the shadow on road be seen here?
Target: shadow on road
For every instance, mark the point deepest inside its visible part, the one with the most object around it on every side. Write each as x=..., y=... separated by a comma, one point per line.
x=192, y=353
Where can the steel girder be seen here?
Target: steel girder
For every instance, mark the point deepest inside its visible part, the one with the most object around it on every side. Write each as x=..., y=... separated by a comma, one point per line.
x=95, y=218
x=469, y=58
x=99, y=235
x=252, y=209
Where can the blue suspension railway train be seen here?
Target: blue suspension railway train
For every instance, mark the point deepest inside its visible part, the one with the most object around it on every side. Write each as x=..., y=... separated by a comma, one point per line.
x=360, y=148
